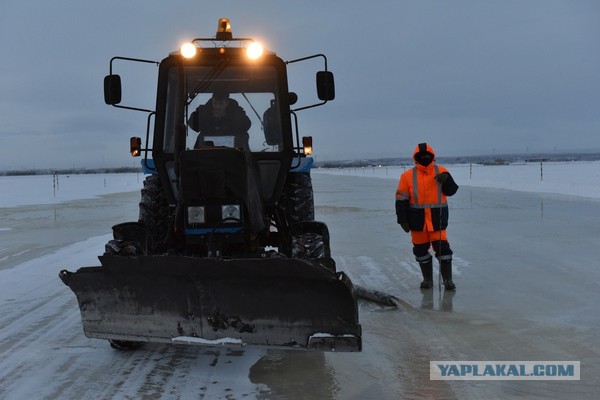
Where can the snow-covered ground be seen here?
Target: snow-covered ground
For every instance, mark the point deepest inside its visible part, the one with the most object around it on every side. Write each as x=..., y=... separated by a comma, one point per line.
x=525, y=267
x=569, y=178
x=51, y=189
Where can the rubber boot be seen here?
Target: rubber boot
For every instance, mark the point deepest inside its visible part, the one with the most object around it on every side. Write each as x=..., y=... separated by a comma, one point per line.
x=427, y=271
x=446, y=269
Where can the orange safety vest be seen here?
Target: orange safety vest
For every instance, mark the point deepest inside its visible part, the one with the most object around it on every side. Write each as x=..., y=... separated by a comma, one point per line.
x=428, y=208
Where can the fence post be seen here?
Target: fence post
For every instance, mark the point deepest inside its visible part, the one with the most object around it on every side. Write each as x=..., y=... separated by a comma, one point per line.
x=55, y=182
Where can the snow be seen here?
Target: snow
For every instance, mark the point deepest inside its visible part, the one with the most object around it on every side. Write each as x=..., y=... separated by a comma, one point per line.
x=50, y=189
x=580, y=178
x=41, y=336
x=328, y=335
x=41, y=339
x=195, y=340
x=568, y=178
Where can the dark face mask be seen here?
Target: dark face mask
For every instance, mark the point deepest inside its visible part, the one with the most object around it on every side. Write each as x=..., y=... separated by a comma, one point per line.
x=424, y=158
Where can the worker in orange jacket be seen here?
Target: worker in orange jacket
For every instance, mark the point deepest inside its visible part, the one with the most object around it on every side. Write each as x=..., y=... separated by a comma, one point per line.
x=422, y=210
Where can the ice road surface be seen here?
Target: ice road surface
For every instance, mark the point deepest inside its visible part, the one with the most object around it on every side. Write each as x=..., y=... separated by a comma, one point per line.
x=526, y=248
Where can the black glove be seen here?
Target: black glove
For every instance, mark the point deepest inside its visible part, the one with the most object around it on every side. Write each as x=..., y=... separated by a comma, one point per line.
x=405, y=227
x=442, y=177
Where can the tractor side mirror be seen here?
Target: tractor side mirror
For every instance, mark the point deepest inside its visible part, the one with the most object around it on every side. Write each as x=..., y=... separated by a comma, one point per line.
x=135, y=146
x=325, y=85
x=112, y=89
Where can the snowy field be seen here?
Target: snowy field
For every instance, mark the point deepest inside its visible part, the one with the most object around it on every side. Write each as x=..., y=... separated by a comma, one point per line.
x=568, y=178
x=573, y=179
x=49, y=189
x=525, y=267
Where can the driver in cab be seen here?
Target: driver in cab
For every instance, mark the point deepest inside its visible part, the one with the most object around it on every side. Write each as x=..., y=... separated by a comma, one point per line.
x=220, y=122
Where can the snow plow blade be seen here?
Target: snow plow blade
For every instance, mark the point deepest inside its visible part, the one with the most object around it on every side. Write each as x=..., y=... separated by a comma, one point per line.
x=272, y=302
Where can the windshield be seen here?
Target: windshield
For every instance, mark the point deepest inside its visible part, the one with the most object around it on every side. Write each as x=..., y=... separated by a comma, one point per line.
x=232, y=106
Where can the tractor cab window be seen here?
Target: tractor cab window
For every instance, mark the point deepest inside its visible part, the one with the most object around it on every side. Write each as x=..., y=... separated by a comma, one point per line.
x=227, y=107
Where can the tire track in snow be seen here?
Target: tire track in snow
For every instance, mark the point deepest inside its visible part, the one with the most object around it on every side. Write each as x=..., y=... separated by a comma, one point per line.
x=45, y=355
x=51, y=327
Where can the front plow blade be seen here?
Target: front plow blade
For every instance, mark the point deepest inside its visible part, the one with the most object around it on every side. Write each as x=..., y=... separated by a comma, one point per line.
x=274, y=302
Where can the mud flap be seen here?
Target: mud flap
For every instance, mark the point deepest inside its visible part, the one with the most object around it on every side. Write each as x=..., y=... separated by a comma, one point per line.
x=273, y=302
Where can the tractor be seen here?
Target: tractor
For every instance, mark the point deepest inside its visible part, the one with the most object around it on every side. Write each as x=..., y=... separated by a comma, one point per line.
x=226, y=250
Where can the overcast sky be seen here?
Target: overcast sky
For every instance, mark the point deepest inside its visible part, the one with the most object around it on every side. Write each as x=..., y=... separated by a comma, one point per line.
x=469, y=77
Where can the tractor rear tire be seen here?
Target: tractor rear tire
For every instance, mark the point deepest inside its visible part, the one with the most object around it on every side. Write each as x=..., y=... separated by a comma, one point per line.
x=154, y=211
x=297, y=197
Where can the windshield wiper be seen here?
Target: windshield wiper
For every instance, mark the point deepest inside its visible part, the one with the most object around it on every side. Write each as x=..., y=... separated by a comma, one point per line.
x=207, y=80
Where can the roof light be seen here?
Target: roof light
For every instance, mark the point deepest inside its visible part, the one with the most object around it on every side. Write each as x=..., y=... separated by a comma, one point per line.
x=188, y=50
x=224, y=30
x=254, y=50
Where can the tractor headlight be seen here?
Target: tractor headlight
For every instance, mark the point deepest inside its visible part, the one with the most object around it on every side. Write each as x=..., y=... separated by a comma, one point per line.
x=231, y=213
x=254, y=51
x=195, y=215
x=188, y=50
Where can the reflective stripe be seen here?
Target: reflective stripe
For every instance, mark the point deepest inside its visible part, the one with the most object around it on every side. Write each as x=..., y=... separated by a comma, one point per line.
x=402, y=195
x=434, y=205
x=445, y=257
x=415, y=185
x=424, y=258
x=416, y=204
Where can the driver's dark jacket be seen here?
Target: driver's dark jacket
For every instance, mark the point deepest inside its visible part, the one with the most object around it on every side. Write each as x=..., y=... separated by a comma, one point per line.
x=235, y=123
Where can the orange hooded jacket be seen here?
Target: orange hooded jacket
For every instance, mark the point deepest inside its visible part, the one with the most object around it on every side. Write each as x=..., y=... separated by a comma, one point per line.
x=421, y=199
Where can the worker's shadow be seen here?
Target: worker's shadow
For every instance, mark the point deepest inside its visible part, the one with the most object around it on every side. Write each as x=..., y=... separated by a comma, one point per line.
x=427, y=302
